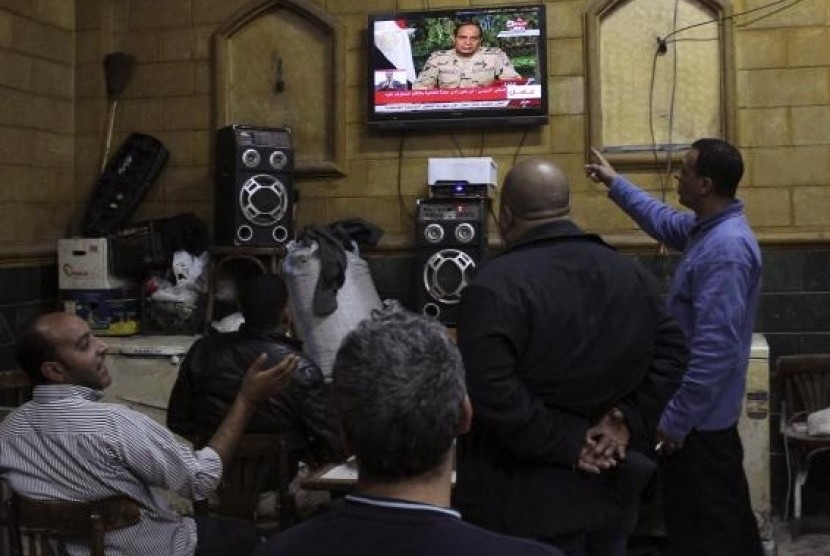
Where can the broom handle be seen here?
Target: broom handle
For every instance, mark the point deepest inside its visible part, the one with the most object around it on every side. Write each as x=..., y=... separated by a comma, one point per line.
x=110, y=125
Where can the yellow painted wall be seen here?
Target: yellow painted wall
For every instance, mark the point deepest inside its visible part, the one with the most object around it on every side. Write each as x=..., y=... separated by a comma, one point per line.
x=53, y=114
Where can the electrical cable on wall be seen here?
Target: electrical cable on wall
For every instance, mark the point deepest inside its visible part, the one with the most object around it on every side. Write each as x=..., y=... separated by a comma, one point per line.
x=733, y=16
x=661, y=49
x=519, y=147
x=401, y=202
x=672, y=99
x=457, y=146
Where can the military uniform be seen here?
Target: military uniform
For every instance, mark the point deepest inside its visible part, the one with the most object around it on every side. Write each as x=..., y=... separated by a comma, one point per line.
x=445, y=69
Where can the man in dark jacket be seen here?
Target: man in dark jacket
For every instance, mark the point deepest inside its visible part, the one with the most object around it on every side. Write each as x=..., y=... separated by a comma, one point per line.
x=569, y=360
x=212, y=372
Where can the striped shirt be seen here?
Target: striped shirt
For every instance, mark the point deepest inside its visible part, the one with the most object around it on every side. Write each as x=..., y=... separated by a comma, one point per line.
x=66, y=445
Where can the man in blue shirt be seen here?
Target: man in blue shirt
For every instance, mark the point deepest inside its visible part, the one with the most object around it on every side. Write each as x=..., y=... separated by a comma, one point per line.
x=713, y=296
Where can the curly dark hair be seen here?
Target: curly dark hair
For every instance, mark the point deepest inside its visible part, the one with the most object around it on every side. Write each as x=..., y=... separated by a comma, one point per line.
x=399, y=386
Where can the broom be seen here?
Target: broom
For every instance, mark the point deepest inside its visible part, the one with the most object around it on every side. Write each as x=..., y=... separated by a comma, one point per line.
x=118, y=68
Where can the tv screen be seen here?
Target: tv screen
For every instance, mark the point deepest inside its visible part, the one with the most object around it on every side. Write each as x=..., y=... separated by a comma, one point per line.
x=483, y=66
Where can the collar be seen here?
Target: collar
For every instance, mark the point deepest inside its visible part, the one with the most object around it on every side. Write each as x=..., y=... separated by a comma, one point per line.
x=733, y=210
x=270, y=335
x=558, y=230
x=45, y=393
x=399, y=504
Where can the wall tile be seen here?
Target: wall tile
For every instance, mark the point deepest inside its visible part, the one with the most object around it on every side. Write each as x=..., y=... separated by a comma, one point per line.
x=17, y=70
x=807, y=47
x=33, y=37
x=213, y=11
x=161, y=80
x=802, y=14
x=790, y=166
x=53, y=78
x=155, y=14
x=804, y=86
x=811, y=124
x=767, y=206
x=59, y=13
x=564, y=19
x=6, y=28
x=566, y=95
x=764, y=127
x=761, y=49
x=812, y=204
x=145, y=46
x=565, y=56
x=187, y=112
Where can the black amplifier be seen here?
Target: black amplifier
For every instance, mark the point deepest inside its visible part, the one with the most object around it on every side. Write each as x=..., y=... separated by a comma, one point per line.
x=461, y=189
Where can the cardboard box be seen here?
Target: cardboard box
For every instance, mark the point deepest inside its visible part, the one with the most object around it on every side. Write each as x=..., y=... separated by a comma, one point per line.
x=472, y=170
x=110, y=312
x=83, y=264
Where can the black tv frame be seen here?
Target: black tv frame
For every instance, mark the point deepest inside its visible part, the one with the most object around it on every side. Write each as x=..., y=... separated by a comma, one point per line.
x=462, y=117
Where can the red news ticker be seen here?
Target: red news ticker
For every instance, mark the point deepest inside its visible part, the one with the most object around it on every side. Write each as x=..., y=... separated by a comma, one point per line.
x=441, y=95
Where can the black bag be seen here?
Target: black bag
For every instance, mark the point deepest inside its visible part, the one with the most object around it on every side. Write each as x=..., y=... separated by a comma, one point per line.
x=150, y=245
x=123, y=184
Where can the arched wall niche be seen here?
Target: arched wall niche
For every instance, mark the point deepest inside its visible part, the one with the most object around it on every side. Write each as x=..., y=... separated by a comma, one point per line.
x=646, y=106
x=280, y=63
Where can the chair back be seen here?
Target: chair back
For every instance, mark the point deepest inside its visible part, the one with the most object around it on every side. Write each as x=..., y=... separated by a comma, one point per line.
x=15, y=390
x=41, y=522
x=806, y=381
x=260, y=463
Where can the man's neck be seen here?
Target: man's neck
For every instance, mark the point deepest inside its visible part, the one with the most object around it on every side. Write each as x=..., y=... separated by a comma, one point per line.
x=714, y=206
x=433, y=489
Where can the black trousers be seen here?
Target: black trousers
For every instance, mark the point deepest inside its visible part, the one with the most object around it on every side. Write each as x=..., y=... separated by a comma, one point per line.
x=220, y=536
x=706, y=497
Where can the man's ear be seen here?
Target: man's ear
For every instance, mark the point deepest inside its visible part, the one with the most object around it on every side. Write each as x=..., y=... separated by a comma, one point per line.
x=465, y=419
x=53, y=371
x=506, y=219
x=707, y=187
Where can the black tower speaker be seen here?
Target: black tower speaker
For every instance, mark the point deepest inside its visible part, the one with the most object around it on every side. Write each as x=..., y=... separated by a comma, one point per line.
x=451, y=240
x=254, y=197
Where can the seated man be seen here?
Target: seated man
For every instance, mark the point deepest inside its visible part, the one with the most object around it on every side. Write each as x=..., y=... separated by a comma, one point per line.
x=213, y=369
x=65, y=445
x=399, y=386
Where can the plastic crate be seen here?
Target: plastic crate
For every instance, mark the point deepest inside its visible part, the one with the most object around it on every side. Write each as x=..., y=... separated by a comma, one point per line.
x=172, y=317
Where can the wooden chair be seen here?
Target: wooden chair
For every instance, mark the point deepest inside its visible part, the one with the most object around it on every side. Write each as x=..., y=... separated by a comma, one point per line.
x=43, y=522
x=15, y=389
x=262, y=462
x=806, y=384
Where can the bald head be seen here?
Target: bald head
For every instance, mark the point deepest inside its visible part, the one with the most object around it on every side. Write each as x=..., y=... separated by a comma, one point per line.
x=536, y=189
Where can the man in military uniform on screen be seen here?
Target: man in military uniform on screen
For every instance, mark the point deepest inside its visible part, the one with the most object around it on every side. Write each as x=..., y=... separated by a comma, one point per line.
x=468, y=64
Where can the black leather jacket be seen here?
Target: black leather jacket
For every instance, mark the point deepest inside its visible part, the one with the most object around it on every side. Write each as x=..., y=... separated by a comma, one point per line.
x=210, y=377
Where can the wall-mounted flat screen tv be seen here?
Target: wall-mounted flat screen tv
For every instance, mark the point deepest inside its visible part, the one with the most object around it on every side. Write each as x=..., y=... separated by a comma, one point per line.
x=484, y=66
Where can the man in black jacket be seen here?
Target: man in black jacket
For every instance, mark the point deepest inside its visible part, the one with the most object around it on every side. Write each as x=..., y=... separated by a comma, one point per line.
x=570, y=361
x=212, y=372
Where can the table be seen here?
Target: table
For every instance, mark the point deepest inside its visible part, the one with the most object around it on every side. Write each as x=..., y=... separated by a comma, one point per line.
x=336, y=478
